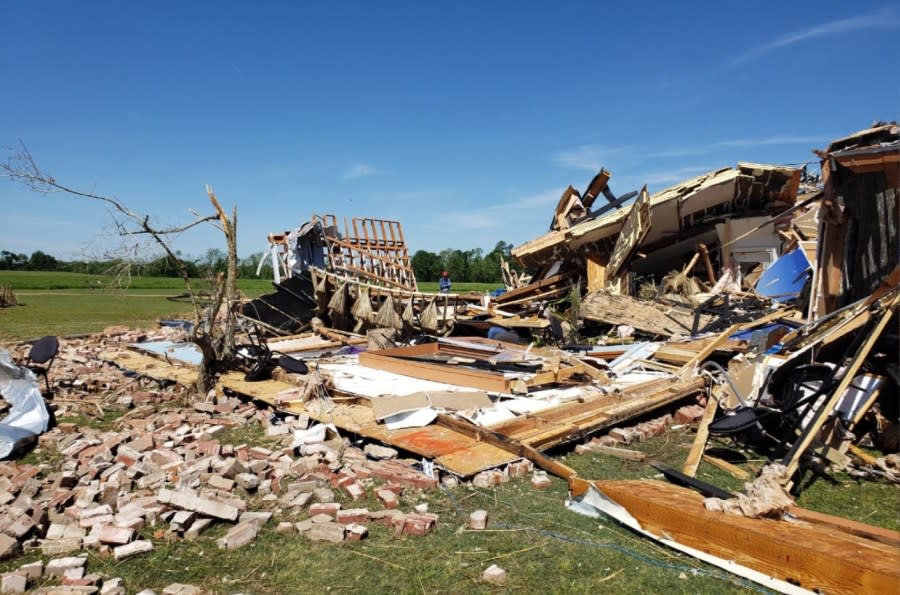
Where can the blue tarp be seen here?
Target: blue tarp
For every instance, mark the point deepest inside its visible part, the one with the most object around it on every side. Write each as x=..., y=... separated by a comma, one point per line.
x=785, y=278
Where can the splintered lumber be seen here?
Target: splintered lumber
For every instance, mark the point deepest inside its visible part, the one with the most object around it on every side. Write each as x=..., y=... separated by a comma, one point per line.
x=699, y=445
x=792, y=459
x=572, y=421
x=648, y=317
x=815, y=556
x=534, y=289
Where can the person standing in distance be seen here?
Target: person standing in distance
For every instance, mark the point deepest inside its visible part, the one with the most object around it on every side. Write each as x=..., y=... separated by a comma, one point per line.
x=445, y=283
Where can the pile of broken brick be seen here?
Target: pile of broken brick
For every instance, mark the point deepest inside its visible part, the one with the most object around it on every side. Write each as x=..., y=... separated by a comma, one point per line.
x=168, y=472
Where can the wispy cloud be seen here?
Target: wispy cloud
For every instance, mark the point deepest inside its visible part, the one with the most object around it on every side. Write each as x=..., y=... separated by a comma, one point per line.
x=589, y=157
x=360, y=170
x=503, y=215
x=742, y=143
x=886, y=18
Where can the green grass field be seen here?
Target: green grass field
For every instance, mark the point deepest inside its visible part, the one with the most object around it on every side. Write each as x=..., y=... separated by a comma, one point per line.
x=67, y=304
x=64, y=304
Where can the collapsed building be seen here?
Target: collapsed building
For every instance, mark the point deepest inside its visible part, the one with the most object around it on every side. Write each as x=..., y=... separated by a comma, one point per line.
x=770, y=314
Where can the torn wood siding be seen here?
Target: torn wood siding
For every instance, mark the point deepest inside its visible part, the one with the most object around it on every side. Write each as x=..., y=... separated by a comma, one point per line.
x=860, y=224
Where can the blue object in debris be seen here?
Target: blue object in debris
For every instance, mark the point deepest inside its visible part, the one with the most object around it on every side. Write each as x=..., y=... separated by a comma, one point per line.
x=785, y=278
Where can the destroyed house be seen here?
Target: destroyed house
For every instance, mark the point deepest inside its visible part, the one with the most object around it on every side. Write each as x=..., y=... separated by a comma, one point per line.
x=659, y=233
x=355, y=279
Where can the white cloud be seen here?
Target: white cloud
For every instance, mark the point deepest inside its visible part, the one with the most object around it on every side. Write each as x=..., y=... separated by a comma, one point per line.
x=589, y=157
x=360, y=170
x=882, y=19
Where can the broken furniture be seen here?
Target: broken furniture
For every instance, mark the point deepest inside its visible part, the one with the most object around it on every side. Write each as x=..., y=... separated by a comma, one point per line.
x=40, y=357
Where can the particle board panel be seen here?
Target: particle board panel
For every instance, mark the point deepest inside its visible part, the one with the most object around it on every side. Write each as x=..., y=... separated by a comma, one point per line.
x=812, y=556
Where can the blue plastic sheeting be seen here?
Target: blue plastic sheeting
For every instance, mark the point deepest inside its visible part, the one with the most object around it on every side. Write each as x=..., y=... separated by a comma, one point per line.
x=183, y=352
x=785, y=278
x=28, y=415
x=767, y=328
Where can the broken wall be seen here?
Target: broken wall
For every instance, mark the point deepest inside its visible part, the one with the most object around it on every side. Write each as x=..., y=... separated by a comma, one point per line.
x=860, y=219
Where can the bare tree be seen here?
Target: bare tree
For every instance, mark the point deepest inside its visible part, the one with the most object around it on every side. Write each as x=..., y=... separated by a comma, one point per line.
x=215, y=323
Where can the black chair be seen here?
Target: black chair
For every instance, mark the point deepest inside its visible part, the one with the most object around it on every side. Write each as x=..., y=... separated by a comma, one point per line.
x=41, y=357
x=797, y=389
x=261, y=360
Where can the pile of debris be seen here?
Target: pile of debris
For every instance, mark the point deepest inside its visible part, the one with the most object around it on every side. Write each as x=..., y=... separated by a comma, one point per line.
x=782, y=340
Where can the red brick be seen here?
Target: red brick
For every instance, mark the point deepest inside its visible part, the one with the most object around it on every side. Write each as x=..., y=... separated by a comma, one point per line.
x=329, y=508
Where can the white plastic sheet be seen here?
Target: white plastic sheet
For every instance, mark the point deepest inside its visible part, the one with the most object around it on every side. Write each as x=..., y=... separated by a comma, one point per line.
x=28, y=415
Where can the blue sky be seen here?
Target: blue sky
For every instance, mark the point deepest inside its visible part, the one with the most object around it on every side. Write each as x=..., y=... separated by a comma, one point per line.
x=463, y=120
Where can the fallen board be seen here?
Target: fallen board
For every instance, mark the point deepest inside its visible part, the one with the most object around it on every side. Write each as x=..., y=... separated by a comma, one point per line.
x=810, y=555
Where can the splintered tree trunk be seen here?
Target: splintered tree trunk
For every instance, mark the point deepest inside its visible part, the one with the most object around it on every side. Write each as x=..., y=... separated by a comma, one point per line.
x=216, y=341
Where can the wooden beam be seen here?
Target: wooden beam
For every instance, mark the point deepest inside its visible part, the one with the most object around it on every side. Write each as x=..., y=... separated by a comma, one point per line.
x=808, y=555
x=699, y=445
x=710, y=273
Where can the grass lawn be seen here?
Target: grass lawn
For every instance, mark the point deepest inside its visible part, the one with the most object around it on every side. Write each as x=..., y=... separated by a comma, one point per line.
x=64, y=304
x=73, y=303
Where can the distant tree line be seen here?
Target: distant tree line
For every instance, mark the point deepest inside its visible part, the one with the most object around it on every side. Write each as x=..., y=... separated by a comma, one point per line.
x=472, y=266
x=212, y=261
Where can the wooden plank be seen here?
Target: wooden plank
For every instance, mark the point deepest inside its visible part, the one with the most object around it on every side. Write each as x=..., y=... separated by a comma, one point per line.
x=596, y=186
x=530, y=289
x=634, y=230
x=724, y=465
x=699, y=445
x=619, y=453
x=710, y=273
x=880, y=534
x=502, y=442
x=572, y=421
x=456, y=375
x=804, y=554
